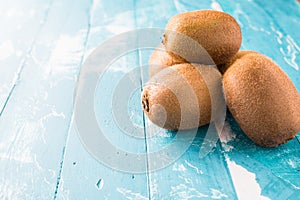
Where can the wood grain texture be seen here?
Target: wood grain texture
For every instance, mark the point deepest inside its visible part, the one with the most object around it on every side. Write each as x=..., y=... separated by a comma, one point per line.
x=16, y=43
x=260, y=34
x=35, y=121
x=82, y=176
x=42, y=48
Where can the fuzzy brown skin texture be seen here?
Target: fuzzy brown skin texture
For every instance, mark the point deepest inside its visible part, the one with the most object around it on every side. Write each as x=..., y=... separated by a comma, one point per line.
x=217, y=32
x=223, y=67
x=173, y=98
x=262, y=99
x=160, y=59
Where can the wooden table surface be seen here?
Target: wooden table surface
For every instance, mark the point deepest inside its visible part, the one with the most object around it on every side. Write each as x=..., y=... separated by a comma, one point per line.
x=43, y=46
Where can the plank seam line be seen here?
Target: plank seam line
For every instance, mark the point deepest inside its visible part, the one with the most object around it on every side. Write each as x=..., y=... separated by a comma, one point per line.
x=298, y=138
x=146, y=144
x=58, y=180
x=24, y=61
x=143, y=114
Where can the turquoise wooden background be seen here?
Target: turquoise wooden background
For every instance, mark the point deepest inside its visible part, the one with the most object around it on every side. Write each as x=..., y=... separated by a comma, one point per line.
x=43, y=45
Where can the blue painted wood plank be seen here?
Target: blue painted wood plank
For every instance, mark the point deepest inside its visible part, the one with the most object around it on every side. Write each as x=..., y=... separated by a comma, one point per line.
x=21, y=22
x=38, y=162
x=35, y=122
x=268, y=167
x=266, y=32
x=189, y=176
x=260, y=33
x=284, y=13
x=84, y=176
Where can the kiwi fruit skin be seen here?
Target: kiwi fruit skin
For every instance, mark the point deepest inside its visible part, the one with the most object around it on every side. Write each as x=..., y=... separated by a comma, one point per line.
x=160, y=96
x=217, y=32
x=160, y=59
x=223, y=67
x=262, y=99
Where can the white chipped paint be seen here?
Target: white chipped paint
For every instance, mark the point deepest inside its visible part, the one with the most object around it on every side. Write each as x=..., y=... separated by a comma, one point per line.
x=7, y=189
x=129, y=194
x=292, y=51
x=244, y=182
x=8, y=186
x=199, y=171
x=239, y=12
x=136, y=118
x=279, y=35
x=182, y=191
x=187, y=181
x=216, y=6
x=64, y=193
x=226, y=147
x=292, y=163
x=64, y=58
x=30, y=129
x=28, y=132
x=227, y=135
x=265, y=31
x=178, y=167
x=289, y=48
x=154, y=188
x=6, y=50
x=18, y=158
x=216, y=194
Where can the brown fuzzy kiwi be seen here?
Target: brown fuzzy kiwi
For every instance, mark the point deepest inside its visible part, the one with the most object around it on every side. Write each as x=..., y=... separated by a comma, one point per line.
x=161, y=59
x=262, y=99
x=174, y=97
x=223, y=67
x=217, y=32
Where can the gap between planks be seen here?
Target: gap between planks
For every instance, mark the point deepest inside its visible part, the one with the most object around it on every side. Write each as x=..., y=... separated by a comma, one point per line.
x=58, y=179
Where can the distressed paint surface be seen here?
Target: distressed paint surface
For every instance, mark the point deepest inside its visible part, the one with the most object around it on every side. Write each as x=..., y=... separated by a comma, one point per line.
x=44, y=44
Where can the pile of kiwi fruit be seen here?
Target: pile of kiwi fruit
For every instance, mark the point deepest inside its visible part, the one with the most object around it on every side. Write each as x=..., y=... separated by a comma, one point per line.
x=260, y=96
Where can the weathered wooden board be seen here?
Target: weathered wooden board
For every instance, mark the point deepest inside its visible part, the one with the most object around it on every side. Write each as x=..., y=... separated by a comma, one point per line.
x=43, y=46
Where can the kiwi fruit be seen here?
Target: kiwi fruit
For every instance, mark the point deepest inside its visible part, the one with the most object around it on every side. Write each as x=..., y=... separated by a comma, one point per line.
x=183, y=96
x=217, y=32
x=262, y=99
x=161, y=59
x=223, y=67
